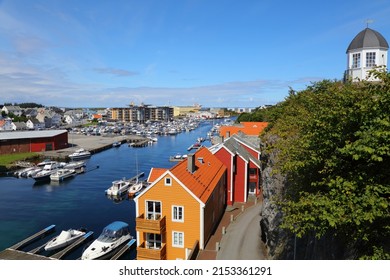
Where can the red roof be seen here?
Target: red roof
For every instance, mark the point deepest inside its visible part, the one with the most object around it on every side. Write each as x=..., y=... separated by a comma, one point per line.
x=155, y=173
x=249, y=128
x=208, y=172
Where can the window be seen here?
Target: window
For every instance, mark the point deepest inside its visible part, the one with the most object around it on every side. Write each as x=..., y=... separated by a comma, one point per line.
x=178, y=239
x=370, y=59
x=153, y=210
x=168, y=181
x=153, y=241
x=356, y=60
x=178, y=213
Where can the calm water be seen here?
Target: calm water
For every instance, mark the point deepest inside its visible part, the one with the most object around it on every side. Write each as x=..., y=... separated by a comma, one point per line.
x=27, y=207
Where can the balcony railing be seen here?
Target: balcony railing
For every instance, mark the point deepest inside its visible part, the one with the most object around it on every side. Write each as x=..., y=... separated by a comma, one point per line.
x=149, y=253
x=150, y=225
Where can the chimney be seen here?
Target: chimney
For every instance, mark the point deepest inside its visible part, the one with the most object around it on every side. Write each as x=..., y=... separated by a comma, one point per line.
x=191, y=163
x=227, y=134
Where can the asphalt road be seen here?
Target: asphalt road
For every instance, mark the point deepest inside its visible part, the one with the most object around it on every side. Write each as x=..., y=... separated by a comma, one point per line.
x=242, y=240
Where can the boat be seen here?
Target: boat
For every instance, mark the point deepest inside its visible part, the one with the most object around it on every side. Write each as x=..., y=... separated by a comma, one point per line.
x=75, y=164
x=62, y=174
x=118, y=187
x=47, y=170
x=80, y=154
x=23, y=172
x=135, y=188
x=65, y=238
x=109, y=241
x=116, y=144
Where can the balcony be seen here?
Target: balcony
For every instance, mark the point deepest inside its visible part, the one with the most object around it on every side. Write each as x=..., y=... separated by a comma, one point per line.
x=150, y=225
x=145, y=253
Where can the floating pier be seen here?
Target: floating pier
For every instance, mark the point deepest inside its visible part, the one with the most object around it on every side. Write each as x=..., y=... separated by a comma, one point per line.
x=33, y=238
x=123, y=249
x=14, y=253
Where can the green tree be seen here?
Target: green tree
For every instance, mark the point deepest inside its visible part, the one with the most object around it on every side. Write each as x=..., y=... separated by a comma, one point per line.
x=334, y=149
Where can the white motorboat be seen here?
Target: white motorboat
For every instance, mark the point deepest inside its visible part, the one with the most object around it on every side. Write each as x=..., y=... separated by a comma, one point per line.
x=65, y=238
x=112, y=238
x=75, y=164
x=116, y=144
x=118, y=187
x=80, y=154
x=48, y=169
x=62, y=174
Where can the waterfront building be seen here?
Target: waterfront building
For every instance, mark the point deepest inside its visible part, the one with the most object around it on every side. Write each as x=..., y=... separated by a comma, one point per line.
x=240, y=154
x=33, y=141
x=185, y=110
x=142, y=113
x=178, y=212
x=367, y=51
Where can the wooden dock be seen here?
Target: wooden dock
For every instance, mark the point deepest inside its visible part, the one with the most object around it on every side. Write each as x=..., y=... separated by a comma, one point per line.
x=73, y=246
x=14, y=252
x=33, y=238
x=123, y=250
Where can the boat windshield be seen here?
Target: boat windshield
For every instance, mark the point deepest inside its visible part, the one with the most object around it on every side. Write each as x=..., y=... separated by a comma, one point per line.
x=109, y=235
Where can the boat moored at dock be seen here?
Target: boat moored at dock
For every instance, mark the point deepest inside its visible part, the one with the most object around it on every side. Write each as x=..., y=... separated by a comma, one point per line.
x=109, y=241
x=65, y=238
x=62, y=174
x=80, y=154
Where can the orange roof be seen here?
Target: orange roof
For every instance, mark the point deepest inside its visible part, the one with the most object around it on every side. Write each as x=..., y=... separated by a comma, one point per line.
x=208, y=172
x=249, y=128
x=155, y=173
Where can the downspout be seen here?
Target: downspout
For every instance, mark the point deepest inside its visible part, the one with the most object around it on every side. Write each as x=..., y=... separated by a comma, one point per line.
x=201, y=212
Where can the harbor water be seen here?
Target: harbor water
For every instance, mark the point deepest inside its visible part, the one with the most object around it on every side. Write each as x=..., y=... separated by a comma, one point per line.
x=27, y=207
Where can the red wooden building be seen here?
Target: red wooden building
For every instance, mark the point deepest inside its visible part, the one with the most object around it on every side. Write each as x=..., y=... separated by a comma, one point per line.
x=241, y=157
x=32, y=141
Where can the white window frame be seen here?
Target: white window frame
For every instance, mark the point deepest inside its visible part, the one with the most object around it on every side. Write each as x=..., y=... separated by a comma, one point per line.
x=174, y=217
x=356, y=60
x=166, y=181
x=370, y=59
x=178, y=234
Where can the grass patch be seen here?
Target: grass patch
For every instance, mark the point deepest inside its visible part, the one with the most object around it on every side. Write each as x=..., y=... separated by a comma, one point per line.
x=7, y=160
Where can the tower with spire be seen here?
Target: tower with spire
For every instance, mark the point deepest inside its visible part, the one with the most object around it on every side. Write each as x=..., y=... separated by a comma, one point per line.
x=368, y=50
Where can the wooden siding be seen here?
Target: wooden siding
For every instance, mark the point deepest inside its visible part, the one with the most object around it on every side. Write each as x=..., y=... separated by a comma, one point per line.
x=239, y=180
x=26, y=145
x=225, y=157
x=178, y=196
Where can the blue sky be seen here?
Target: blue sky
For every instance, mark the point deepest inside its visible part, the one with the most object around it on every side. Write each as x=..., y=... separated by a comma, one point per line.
x=175, y=52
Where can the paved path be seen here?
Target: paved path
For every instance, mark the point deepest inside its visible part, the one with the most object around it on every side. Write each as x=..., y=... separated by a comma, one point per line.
x=242, y=240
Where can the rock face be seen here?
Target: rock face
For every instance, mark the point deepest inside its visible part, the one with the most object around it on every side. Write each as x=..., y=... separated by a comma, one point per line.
x=273, y=236
x=282, y=244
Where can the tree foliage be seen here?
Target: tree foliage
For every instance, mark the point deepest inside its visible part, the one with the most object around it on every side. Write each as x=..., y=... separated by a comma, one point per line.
x=334, y=149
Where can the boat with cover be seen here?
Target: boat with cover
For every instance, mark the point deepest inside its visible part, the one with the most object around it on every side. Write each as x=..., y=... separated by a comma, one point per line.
x=112, y=238
x=62, y=174
x=118, y=187
x=48, y=169
x=80, y=154
x=65, y=238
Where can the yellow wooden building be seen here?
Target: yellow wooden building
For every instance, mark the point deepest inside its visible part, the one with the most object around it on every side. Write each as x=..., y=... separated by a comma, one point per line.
x=177, y=213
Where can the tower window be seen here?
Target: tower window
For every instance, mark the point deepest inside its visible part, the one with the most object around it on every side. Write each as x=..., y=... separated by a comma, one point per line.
x=356, y=60
x=370, y=59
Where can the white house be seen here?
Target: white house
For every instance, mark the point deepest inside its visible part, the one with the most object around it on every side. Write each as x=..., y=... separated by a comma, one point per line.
x=16, y=110
x=34, y=124
x=368, y=50
x=6, y=125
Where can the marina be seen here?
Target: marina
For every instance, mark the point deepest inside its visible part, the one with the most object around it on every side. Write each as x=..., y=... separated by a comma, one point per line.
x=27, y=206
